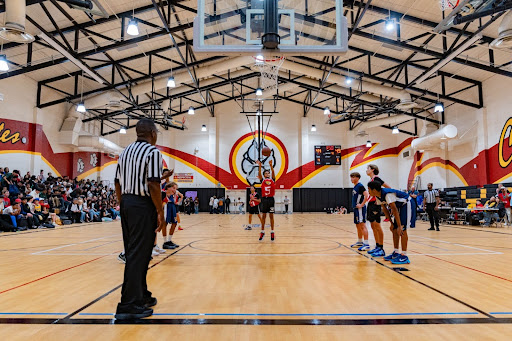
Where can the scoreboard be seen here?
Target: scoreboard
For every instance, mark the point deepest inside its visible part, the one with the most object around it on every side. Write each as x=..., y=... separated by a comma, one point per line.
x=327, y=155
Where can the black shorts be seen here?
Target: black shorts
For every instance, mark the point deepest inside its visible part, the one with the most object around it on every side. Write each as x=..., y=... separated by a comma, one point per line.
x=373, y=212
x=253, y=209
x=267, y=205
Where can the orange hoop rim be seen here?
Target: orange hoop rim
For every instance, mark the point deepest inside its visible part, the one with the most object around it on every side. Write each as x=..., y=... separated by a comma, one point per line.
x=270, y=60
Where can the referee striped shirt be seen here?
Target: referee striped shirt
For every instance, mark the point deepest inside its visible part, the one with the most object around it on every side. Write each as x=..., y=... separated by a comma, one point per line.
x=139, y=163
x=430, y=196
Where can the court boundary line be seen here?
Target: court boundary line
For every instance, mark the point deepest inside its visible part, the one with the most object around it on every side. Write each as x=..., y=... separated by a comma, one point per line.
x=73, y=244
x=258, y=322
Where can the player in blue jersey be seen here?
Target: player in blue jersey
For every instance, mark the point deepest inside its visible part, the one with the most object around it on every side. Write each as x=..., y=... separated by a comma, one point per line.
x=359, y=199
x=401, y=205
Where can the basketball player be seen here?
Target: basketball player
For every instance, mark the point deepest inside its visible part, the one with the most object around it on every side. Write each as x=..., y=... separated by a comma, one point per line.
x=254, y=207
x=359, y=199
x=374, y=212
x=268, y=189
x=170, y=201
x=179, y=201
x=401, y=205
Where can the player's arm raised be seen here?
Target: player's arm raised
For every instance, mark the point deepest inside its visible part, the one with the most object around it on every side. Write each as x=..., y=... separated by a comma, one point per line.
x=272, y=170
x=259, y=170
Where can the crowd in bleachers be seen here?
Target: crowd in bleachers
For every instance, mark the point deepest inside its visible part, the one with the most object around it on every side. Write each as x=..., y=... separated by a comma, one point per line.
x=30, y=202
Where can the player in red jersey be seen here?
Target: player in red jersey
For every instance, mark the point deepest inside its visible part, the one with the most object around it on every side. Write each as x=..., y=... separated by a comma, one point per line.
x=268, y=190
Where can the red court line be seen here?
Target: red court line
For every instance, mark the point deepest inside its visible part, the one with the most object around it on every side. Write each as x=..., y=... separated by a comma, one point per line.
x=466, y=267
x=40, y=278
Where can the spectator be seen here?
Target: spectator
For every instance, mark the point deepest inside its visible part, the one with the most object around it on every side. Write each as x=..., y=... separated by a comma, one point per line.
x=343, y=210
x=215, y=205
x=26, y=212
x=489, y=215
x=41, y=177
x=76, y=213
x=212, y=199
x=286, y=202
x=240, y=206
x=196, y=205
x=221, y=205
x=227, y=202
x=504, y=196
x=14, y=212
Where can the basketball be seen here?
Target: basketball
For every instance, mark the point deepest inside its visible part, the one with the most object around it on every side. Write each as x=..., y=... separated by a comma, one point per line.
x=266, y=151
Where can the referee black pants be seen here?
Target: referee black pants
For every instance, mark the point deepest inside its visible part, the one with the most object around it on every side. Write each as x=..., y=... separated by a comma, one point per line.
x=433, y=215
x=139, y=222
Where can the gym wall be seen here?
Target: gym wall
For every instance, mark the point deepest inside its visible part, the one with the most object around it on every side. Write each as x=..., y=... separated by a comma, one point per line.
x=214, y=158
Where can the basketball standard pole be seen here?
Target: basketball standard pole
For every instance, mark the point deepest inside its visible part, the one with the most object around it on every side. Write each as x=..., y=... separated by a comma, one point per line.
x=270, y=39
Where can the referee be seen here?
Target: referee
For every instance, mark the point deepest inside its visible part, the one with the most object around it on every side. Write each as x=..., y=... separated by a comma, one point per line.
x=431, y=206
x=137, y=182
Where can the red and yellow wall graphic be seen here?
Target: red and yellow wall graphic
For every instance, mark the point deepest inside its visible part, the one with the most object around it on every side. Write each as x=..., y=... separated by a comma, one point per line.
x=18, y=137
x=489, y=166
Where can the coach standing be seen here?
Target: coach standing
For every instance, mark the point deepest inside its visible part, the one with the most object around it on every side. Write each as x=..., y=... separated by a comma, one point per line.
x=137, y=182
x=431, y=206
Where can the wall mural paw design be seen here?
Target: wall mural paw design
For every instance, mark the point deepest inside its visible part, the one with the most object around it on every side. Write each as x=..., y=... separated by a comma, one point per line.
x=250, y=157
x=80, y=165
x=94, y=160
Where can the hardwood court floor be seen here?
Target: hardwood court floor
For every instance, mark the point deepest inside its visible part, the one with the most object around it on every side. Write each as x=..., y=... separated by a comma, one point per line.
x=222, y=284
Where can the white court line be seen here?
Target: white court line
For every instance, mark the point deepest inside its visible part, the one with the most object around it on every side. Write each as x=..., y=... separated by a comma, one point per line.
x=77, y=254
x=68, y=245
x=455, y=254
x=462, y=245
x=264, y=254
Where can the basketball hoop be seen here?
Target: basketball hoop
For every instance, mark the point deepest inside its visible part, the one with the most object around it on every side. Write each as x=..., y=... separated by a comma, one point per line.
x=446, y=4
x=269, y=69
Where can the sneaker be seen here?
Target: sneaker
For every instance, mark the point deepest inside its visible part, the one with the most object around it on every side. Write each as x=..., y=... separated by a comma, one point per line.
x=431, y=229
x=356, y=245
x=272, y=236
x=160, y=250
x=122, y=257
x=248, y=227
x=392, y=256
x=379, y=253
x=262, y=234
x=402, y=259
x=438, y=229
x=137, y=312
x=169, y=245
x=365, y=247
x=373, y=250
x=155, y=253
x=180, y=229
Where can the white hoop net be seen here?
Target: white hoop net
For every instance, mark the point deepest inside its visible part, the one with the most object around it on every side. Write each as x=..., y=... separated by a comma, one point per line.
x=269, y=69
x=448, y=4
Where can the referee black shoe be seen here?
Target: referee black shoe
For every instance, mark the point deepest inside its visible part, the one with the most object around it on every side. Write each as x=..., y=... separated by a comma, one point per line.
x=150, y=302
x=134, y=313
x=431, y=229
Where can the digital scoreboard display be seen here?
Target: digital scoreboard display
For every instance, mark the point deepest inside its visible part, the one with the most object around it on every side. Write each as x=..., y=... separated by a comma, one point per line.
x=327, y=155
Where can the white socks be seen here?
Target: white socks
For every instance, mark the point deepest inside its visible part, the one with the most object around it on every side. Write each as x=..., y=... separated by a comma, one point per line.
x=167, y=238
x=366, y=242
x=359, y=240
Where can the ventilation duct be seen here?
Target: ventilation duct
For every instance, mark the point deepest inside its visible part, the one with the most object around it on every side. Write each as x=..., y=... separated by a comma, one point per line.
x=504, y=40
x=88, y=142
x=433, y=139
x=394, y=120
x=14, y=27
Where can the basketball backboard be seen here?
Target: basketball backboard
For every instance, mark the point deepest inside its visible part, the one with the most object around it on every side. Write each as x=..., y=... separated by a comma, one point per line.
x=235, y=27
x=465, y=8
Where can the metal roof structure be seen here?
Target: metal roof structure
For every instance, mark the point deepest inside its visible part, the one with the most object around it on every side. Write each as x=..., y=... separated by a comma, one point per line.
x=395, y=59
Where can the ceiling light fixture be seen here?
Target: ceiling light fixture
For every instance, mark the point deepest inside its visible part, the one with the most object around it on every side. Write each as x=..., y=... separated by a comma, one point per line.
x=368, y=144
x=313, y=127
x=390, y=25
x=122, y=130
x=133, y=27
x=81, y=107
x=191, y=111
x=4, y=66
x=171, y=83
x=439, y=107
x=395, y=130
x=327, y=111
x=259, y=92
x=203, y=127
x=349, y=80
